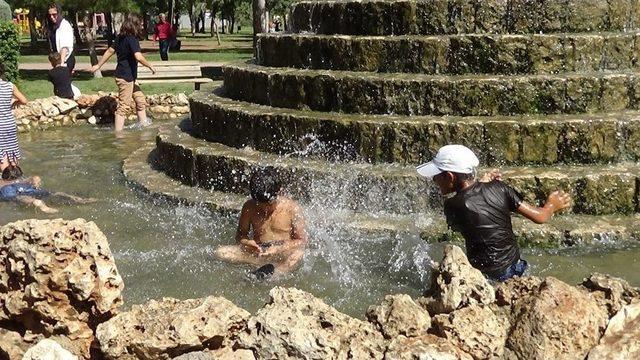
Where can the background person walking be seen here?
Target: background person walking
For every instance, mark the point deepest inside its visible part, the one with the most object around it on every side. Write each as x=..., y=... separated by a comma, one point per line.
x=163, y=33
x=127, y=48
x=61, y=38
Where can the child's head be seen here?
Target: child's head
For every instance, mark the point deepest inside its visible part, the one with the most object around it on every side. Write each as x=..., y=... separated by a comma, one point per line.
x=265, y=185
x=55, y=59
x=11, y=172
x=451, y=167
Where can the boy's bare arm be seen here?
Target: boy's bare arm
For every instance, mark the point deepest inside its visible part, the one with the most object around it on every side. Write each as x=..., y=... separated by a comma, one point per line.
x=556, y=201
x=244, y=226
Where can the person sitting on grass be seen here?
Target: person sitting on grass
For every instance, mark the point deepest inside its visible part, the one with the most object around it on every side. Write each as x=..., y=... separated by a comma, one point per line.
x=481, y=211
x=61, y=79
x=13, y=187
x=271, y=232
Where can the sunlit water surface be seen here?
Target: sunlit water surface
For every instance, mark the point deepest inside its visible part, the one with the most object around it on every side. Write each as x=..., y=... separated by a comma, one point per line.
x=163, y=250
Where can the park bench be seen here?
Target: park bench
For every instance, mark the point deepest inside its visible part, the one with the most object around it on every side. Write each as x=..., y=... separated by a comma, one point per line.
x=173, y=72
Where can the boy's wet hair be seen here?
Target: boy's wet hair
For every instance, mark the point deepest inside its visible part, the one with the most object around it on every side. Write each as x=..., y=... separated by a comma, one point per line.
x=265, y=184
x=55, y=58
x=12, y=172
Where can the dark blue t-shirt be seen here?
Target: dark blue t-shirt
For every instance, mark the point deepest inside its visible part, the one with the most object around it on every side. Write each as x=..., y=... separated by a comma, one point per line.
x=126, y=46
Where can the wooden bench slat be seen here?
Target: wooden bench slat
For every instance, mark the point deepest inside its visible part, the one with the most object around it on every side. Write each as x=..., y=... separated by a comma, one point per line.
x=194, y=80
x=170, y=68
x=168, y=75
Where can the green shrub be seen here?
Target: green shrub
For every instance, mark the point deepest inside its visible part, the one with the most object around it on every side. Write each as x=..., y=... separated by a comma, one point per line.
x=9, y=49
x=5, y=11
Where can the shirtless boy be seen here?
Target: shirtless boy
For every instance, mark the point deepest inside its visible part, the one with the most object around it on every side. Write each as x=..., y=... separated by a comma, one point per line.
x=271, y=231
x=481, y=211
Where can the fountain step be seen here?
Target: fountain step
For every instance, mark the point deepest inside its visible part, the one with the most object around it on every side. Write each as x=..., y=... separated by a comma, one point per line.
x=421, y=94
x=390, y=188
x=453, y=54
x=565, y=230
x=498, y=141
x=383, y=17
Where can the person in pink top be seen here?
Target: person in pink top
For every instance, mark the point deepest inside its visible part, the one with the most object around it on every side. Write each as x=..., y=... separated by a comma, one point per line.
x=163, y=34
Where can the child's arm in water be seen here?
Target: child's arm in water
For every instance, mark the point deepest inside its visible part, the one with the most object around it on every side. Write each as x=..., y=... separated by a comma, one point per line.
x=39, y=204
x=244, y=226
x=556, y=201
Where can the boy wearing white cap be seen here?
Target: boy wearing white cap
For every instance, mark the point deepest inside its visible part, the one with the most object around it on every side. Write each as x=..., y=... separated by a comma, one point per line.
x=481, y=210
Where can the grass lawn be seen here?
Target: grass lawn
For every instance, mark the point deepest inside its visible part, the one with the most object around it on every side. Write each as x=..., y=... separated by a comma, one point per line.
x=35, y=85
x=202, y=47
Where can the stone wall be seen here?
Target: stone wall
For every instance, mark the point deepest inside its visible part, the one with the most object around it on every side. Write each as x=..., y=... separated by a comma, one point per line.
x=42, y=114
x=461, y=317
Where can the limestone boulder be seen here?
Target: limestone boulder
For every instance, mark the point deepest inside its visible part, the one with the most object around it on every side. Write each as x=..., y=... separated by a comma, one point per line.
x=399, y=315
x=64, y=105
x=162, y=329
x=510, y=291
x=610, y=292
x=456, y=284
x=621, y=340
x=474, y=329
x=221, y=354
x=86, y=101
x=49, y=109
x=296, y=325
x=30, y=109
x=556, y=321
x=425, y=347
x=48, y=349
x=58, y=279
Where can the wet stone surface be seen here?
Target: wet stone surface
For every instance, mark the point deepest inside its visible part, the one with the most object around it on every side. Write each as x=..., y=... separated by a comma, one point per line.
x=452, y=54
x=420, y=94
x=463, y=16
x=596, y=190
x=498, y=141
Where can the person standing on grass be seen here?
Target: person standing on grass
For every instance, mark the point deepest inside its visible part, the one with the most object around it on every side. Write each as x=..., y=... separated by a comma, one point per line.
x=9, y=149
x=127, y=50
x=163, y=33
x=61, y=37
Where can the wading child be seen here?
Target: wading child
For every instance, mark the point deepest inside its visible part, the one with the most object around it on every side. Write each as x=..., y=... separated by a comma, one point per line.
x=27, y=191
x=271, y=231
x=60, y=77
x=481, y=211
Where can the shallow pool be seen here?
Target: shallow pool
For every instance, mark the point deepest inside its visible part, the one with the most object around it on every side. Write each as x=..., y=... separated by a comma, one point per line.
x=163, y=250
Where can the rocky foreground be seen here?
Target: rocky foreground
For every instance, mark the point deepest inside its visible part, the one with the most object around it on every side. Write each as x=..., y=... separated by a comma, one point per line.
x=60, y=292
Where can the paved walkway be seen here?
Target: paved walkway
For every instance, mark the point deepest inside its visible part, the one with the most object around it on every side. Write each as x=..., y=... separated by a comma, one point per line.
x=110, y=66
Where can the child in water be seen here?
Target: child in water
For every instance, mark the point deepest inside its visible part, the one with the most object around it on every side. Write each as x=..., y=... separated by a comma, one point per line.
x=271, y=231
x=481, y=211
x=27, y=191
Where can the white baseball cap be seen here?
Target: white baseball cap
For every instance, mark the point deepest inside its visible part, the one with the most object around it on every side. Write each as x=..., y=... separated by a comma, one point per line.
x=454, y=158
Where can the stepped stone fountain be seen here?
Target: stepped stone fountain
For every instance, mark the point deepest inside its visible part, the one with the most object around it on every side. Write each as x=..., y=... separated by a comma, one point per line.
x=362, y=91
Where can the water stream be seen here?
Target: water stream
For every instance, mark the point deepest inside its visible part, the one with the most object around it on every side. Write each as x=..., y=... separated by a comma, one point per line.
x=162, y=250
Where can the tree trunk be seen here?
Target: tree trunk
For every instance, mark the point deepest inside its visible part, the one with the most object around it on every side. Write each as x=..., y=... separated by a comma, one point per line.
x=108, y=18
x=232, y=26
x=222, y=20
x=259, y=20
x=171, y=11
x=73, y=15
x=89, y=34
x=32, y=28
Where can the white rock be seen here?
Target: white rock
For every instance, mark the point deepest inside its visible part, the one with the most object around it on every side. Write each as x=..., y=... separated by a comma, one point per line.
x=48, y=349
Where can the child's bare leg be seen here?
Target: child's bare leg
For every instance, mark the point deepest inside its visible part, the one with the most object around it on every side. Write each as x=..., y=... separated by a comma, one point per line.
x=39, y=204
x=235, y=254
x=288, y=264
x=74, y=199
